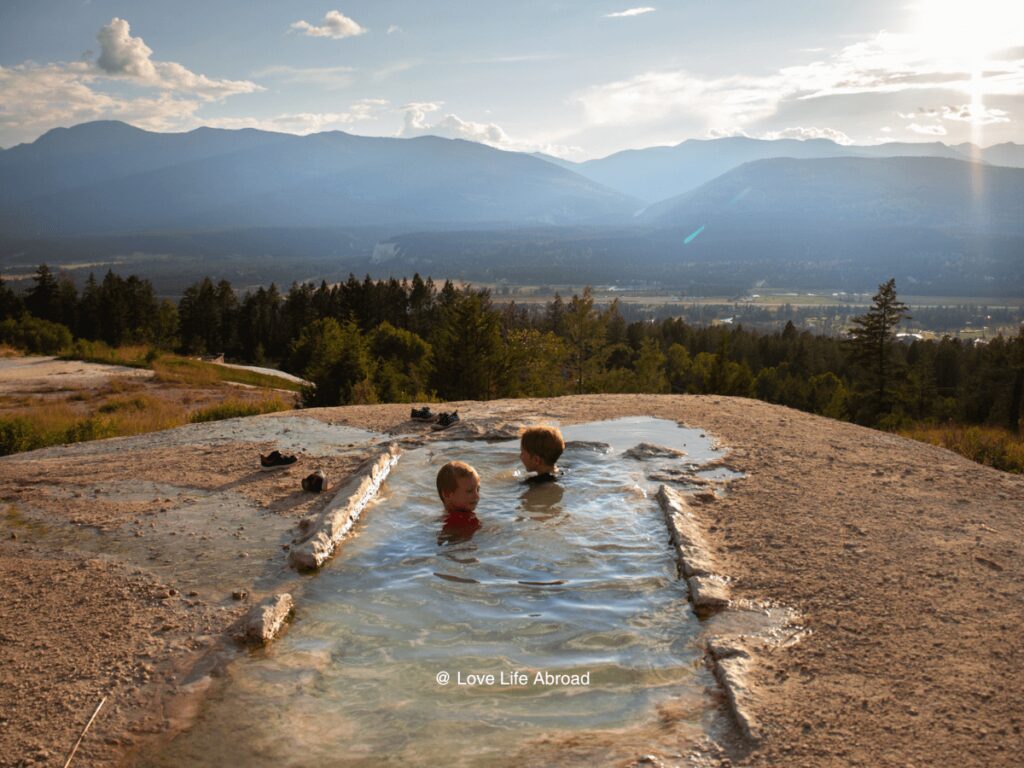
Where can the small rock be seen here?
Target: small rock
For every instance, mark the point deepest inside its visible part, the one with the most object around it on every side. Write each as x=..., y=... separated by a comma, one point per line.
x=239, y=594
x=266, y=619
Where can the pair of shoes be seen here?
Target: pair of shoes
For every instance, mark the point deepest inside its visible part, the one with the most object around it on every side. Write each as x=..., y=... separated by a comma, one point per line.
x=447, y=419
x=276, y=460
x=315, y=482
x=422, y=414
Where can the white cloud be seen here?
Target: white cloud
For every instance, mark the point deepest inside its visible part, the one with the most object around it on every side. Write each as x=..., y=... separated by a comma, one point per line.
x=122, y=54
x=653, y=96
x=630, y=12
x=129, y=58
x=328, y=77
x=123, y=83
x=883, y=72
x=336, y=25
x=927, y=130
x=392, y=29
x=417, y=122
x=964, y=113
x=800, y=133
x=803, y=134
x=308, y=122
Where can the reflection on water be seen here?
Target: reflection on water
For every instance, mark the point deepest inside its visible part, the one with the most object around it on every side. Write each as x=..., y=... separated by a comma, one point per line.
x=389, y=657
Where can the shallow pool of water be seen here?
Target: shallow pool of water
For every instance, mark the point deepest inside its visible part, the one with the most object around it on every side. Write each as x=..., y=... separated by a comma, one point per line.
x=572, y=579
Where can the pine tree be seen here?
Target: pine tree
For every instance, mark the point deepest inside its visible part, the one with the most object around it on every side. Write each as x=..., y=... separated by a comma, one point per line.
x=871, y=346
x=585, y=338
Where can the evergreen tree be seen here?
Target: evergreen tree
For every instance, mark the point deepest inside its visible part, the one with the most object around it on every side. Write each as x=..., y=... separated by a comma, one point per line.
x=467, y=344
x=585, y=339
x=336, y=360
x=871, y=346
x=11, y=304
x=43, y=298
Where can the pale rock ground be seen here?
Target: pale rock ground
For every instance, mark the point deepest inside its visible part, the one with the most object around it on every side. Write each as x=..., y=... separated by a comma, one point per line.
x=904, y=560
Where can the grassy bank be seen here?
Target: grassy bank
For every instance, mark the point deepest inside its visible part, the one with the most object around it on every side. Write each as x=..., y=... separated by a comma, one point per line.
x=174, y=368
x=993, y=446
x=39, y=426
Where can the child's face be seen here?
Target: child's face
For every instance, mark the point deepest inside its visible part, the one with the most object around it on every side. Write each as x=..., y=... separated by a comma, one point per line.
x=529, y=460
x=465, y=497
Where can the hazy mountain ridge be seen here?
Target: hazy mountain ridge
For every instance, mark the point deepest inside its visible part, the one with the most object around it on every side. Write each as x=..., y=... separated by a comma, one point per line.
x=150, y=182
x=324, y=204
x=897, y=191
x=657, y=173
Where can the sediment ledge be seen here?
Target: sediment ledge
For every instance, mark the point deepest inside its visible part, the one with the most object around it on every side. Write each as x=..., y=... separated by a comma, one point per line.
x=731, y=657
x=322, y=536
x=709, y=591
x=731, y=660
x=266, y=619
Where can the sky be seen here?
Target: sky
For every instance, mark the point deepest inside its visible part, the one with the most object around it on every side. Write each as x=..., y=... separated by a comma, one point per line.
x=578, y=80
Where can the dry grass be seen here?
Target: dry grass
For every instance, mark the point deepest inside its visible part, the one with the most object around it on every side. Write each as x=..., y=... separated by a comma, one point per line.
x=197, y=373
x=134, y=356
x=994, y=446
x=181, y=370
x=232, y=409
x=41, y=424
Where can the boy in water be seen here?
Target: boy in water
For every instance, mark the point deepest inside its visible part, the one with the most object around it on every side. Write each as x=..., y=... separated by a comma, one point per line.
x=458, y=485
x=539, y=450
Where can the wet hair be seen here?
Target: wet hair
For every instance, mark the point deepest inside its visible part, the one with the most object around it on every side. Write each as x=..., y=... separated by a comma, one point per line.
x=545, y=442
x=448, y=476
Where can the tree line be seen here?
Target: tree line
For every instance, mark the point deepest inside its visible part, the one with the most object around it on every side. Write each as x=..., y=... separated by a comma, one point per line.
x=408, y=341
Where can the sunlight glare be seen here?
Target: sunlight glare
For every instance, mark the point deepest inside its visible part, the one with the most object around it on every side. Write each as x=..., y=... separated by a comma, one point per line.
x=968, y=32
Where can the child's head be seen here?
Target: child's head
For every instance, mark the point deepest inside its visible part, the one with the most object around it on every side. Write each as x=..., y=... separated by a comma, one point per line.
x=540, y=448
x=458, y=485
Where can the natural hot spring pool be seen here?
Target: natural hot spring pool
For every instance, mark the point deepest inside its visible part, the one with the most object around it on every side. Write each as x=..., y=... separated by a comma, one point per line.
x=573, y=579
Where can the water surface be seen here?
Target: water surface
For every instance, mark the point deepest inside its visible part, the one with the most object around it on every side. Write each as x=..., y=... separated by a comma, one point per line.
x=573, y=578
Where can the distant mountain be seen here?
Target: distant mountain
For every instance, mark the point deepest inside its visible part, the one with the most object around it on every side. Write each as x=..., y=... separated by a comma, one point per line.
x=109, y=177
x=1008, y=154
x=910, y=192
x=941, y=226
x=657, y=173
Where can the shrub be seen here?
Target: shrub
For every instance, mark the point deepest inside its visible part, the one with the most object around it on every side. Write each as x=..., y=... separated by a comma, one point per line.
x=18, y=434
x=994, y=446
x=35, y=335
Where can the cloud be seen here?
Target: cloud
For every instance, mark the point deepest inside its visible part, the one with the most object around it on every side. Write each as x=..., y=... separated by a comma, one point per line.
x=123, y=83
x=965, y=113
x=800, y=133
x=417, y=122
x=654, y=96
x=927, y=130
x=328, y=77
x=630, y=12
x=35, y=98
x=520, y=58
x=308, y=122
x=129, y=58
x=394, y=68
x=803, y=134
x=393, y=28
x=336, y=25
x=860, y=84
x=122, y=54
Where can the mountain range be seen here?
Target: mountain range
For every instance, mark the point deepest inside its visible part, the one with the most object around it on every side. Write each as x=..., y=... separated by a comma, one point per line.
x=106, y=189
